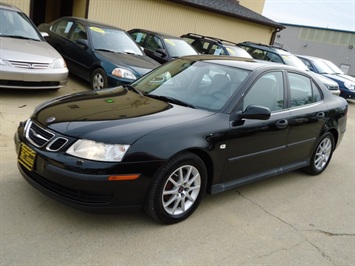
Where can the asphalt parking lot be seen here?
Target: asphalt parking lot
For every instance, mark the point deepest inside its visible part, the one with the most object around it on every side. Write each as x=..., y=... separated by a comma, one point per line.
x=292, y=219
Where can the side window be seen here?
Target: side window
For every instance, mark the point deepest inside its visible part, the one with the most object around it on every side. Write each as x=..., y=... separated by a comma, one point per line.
x=303, y=90
x=62, y=28
x=272, y=57
x=154, y=43
x=258, y=54
x=79, y=32
x=308, y=64
x=139, y=37
x=217, y=50
x=267, y=91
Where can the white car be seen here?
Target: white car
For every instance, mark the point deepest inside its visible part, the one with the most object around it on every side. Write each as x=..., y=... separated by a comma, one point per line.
x=27, y=61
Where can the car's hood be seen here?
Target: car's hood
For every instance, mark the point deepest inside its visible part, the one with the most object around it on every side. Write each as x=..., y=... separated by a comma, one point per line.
x=337, y=78
x=27, y=50
x=344, y=76
x=325, y=80
x=140, y=64
x=112, y=114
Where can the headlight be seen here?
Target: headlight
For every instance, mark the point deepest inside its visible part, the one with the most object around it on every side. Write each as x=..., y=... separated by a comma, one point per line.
x=98, y=151
x=2, y=62
x=349, y=86
x=59, y=63
x=123, y=73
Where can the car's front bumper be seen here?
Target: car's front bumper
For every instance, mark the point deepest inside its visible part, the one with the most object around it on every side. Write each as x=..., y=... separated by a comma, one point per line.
x=84, y=184
x=24, y=78
x=347, y=94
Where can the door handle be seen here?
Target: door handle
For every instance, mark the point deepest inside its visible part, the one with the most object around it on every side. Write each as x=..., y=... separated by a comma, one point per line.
x=281, y=124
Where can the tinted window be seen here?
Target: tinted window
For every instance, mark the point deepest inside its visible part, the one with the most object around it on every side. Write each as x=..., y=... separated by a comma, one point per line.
x=303, y=90
x=154, y=43
x=79, y=32
x=267, y=91
x=202, y=84
x=178, y=47
x=115, y=40
x=139, y=37
x=272, y=57
x=63, y=28
x=217, y=50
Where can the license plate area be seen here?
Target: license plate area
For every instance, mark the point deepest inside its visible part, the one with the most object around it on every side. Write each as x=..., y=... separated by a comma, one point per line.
x=27, y=157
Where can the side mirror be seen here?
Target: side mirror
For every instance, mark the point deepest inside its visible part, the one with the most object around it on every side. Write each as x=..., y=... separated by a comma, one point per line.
x=255, y=112
x=83, y=42
x=161, y=51
x=44, y=34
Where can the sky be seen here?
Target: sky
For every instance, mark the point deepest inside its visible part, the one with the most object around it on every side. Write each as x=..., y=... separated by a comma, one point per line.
x=332, y=14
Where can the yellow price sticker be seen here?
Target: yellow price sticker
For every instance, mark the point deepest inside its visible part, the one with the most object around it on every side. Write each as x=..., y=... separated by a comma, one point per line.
x=170, y=42
x=97, y=29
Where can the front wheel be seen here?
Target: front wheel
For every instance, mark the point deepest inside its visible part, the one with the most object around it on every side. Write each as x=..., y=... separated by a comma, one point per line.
x=177, y=189
x=322, y=155
x=98, y=79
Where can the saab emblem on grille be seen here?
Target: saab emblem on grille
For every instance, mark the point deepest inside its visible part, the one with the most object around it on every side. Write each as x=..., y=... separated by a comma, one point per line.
x=50, y=119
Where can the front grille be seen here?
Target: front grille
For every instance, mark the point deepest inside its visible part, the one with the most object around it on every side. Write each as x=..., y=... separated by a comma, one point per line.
x=41, y=137
x=37, y=135
x=29, y=65
x=333, y=88
x=56, y=144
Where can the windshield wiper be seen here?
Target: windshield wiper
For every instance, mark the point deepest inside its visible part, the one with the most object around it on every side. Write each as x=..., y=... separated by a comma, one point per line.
x=105, y=50
x=131, y=88
x=172, y=100
x=18, y=37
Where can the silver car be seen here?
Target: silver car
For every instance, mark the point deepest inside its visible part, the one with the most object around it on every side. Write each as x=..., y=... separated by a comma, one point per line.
x=27, y=61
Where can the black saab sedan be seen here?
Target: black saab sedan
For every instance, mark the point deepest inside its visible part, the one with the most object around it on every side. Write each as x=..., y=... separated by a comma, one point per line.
x=104, y=55
x=196, y=124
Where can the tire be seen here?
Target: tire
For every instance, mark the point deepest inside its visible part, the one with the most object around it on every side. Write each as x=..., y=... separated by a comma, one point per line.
x=321, y=155
x=177, y=189
x=98, y=79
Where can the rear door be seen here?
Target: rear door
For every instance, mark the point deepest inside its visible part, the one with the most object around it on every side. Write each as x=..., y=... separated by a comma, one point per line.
x=308, y=114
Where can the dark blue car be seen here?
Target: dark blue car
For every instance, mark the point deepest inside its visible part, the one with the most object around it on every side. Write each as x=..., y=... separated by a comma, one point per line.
x=318, y=65
x=104, y=55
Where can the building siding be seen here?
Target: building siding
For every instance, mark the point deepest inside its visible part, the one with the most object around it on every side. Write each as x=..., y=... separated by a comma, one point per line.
x=24, y=5
x=165, y=16
x=175, y=19
x=334, y=45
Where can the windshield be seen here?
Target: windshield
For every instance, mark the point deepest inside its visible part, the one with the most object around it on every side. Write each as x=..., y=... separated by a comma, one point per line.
x=322, y=67
x=201, y=84
x=292, y=60
x=333, y=67
x=177, y=48
x=237, y=51
x=17, y=24
x=113, y=40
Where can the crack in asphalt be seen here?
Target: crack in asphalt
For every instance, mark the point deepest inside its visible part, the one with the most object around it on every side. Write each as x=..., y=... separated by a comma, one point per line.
x=295, y=229
x=328, y=233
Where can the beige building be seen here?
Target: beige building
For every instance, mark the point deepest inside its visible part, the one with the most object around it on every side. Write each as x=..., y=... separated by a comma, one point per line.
x=226, y=19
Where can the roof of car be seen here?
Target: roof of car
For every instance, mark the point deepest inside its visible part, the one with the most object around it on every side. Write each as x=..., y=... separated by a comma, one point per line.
x=162, y=34
x=245, y=63
x=209, y=38
x=265, y=47
x=309, y=57
x=88, y=22
x=230, y=8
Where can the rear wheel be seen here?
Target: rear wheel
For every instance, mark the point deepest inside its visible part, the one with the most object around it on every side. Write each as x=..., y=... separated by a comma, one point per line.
x=322, y=155
x=98, y=79
x=177, y=189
